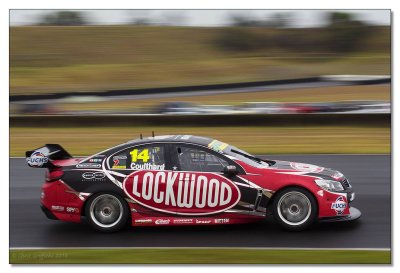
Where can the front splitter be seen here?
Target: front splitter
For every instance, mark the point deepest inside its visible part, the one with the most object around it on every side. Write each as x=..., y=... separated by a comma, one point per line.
x=354, y=215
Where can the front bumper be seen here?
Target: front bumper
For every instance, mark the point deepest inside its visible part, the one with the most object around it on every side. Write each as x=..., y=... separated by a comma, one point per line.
x=354, y=215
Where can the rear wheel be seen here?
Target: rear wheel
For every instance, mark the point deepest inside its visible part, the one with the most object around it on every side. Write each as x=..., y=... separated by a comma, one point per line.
x=107, y=212
x=295, y=208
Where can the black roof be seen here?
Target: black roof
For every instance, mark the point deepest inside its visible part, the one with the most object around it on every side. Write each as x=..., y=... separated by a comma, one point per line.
x=204, y=141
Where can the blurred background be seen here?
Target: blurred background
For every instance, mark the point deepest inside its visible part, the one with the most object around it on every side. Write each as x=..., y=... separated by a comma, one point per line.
x=267, y=81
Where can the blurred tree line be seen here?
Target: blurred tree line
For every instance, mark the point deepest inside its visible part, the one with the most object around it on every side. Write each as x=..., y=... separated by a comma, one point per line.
x=342, y=34
x=63, y=18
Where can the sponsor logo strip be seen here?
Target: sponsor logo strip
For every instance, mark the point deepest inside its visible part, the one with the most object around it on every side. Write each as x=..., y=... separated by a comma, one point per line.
x=162, y=221
x=143, y=221
x=93, y=176
x=72, y=210
x=95, y=160
x=57, y=208
x=183, y=221
x=88, y=165
x=221, y=221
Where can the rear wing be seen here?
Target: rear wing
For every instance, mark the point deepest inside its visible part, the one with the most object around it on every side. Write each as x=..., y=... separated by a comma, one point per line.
x=43, y=157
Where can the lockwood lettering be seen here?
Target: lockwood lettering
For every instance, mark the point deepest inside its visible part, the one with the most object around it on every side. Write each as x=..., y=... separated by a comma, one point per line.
x=181, y=192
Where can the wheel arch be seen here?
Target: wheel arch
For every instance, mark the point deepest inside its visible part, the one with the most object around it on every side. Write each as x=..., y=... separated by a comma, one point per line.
x=292, y=185
x=103, y=189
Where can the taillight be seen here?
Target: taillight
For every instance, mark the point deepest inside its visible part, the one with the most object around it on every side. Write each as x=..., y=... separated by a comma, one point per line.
x=54, y=175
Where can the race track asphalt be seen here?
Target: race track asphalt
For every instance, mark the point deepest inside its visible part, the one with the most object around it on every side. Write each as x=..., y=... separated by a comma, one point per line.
x=369, y=174
x=261, y=88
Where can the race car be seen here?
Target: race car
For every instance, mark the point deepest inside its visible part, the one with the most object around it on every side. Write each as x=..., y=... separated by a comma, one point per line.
x=187, y=180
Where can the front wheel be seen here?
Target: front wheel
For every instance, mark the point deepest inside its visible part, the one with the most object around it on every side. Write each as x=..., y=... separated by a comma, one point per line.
x=107, y=212
x=295, y=208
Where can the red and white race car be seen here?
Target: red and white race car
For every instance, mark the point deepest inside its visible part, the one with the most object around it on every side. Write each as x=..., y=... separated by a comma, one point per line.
x=187, y=180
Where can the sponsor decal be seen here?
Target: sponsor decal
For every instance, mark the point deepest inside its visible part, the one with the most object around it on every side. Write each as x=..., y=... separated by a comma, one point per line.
x=37, y=159
x=320, y=193
x=118, y=167
x=203, y=221
x=88, y=165
x=72, y=210
x=162, y=221
x=143, y=221
x=183, y=221
x=217, y=145
x=93, y=176
x=306, y=167
x=182, y=192
x=119, y=162
x=337, y=175
x=147, y=166
x=57, y=208
x=221, y=221
x=98, y=160
x=339, y=205
x=120, y=157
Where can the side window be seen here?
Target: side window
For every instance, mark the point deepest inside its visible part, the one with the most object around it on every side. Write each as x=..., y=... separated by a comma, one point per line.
x=148, y=157
x=198, y=160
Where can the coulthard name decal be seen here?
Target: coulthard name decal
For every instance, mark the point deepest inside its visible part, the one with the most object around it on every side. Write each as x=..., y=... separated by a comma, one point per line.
x=181, y=192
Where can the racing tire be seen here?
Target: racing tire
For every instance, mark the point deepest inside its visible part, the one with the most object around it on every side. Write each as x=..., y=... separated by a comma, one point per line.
x=295, y=208
x=107, y=212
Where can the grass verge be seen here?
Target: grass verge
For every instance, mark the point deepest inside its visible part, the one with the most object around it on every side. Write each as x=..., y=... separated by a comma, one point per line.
x=95, y=77
x=253, y=139
x=62, y=59
x=198, y=256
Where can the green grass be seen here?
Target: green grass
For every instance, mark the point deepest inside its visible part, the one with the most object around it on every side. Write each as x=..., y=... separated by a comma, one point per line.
x=253, y=139
x=198, y=256
x=60, y=59
x=94, y=77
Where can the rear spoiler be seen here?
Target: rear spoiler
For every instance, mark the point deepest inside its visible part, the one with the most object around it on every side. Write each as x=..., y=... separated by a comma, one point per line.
x=43, y=157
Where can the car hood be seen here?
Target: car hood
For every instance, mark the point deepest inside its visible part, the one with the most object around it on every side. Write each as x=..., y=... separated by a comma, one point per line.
x=298, y=168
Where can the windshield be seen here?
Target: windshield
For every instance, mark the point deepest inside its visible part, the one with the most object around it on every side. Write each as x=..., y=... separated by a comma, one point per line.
x=237, y=153
x=246, y=157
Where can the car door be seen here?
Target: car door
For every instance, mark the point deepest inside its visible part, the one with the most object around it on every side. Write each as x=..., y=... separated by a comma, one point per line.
x=197, y=159
x=191, y=162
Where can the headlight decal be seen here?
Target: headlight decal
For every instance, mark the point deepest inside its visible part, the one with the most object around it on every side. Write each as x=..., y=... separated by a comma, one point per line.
x=329, y=185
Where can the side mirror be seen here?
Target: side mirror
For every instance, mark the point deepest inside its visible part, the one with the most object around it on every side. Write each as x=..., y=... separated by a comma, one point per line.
x=230, y=170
